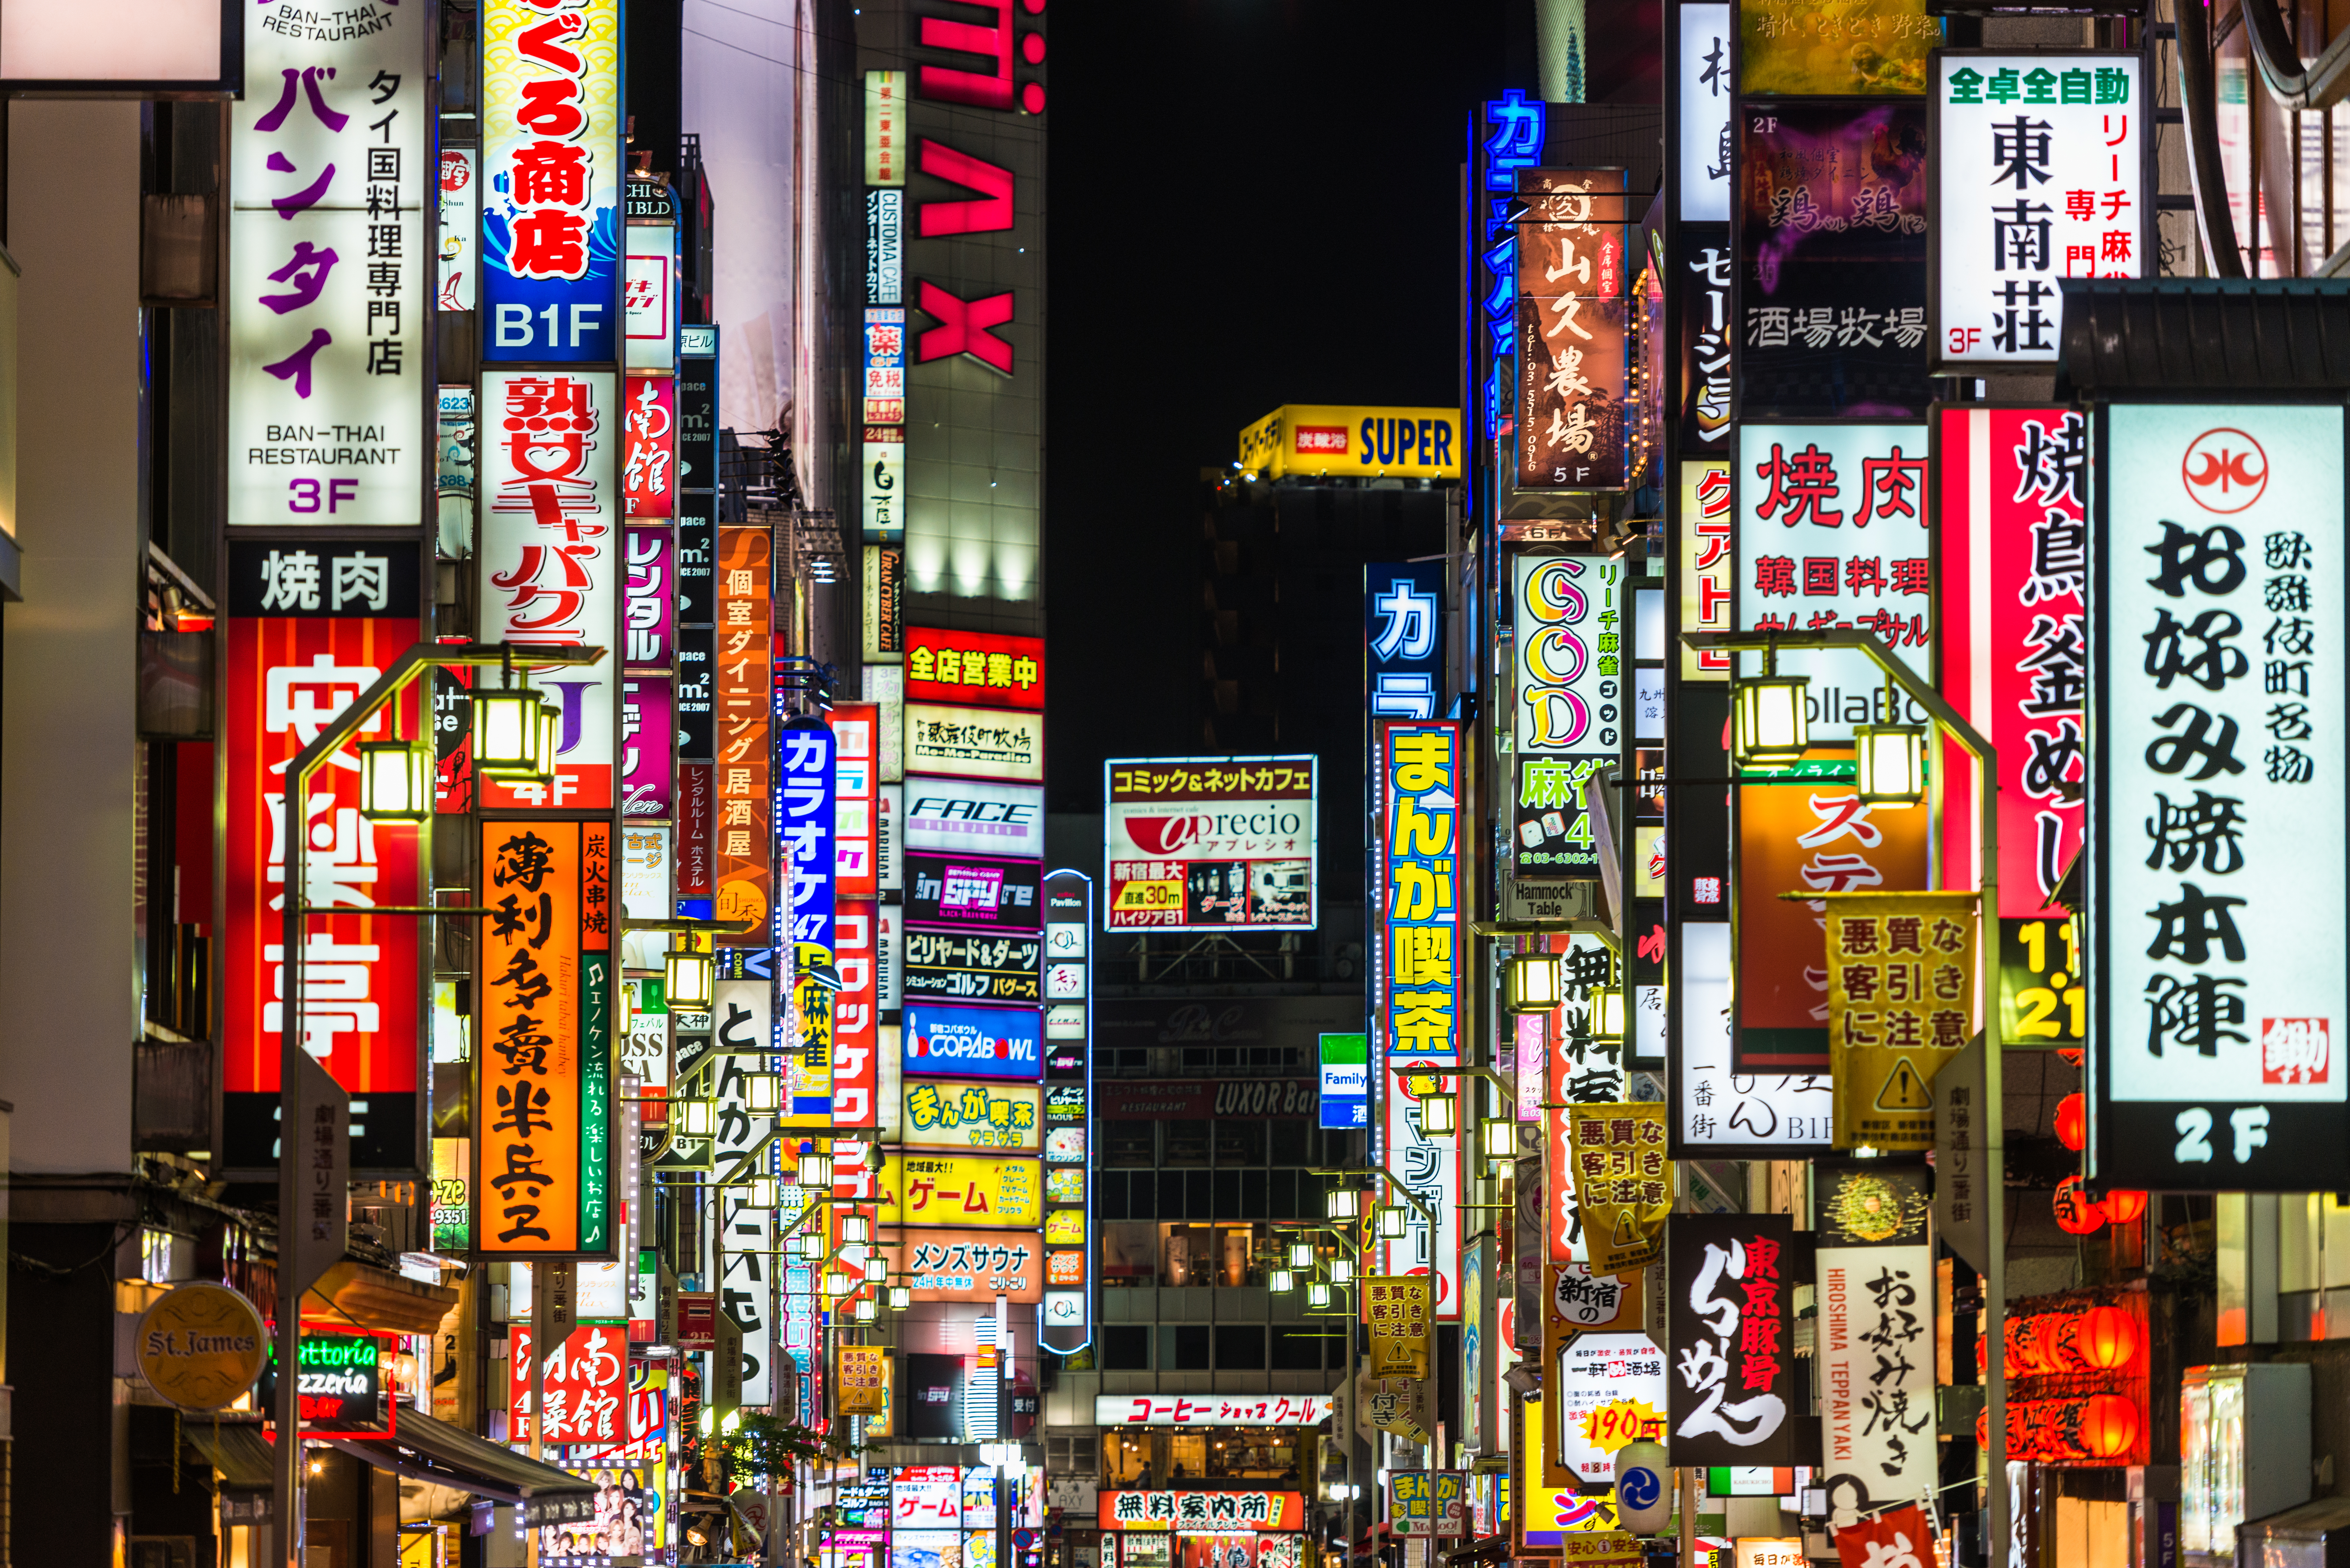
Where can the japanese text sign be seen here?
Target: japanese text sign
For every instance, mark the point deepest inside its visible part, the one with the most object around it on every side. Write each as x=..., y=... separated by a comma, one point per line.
x=1198, y=843
x=1610, y=1389
x=1571, y=653
x=311, y=626
x=647, y=746
x=649, y=426
x=1702, y=87
x=978, y=669
x=941, y=1265
x=1901, y=991
x=1403, y=638
x=2039, y=173
x=956, y=1042
x=745, y=701
x=1623, y=1183
x=2221, y=744
x=550, y=561
x=975, y=743
x=1572, y=368
x=1879, y=49
x=963, y=1190
x=1212, y=1409
x=649, y=637
x=972, y=1115
x=856, y=1016
x=1887, y=1539
x=1203, y=1512
x=1427, y=1167
x=542, y=1132
x=1876, y=1370
x=1715, y=1105
x=585, y=1383
x=1427, y=1504
x=551, y=181
x=960, y=966
x=1731, y=1316
x=1704, y=565
x=1402, y=1322
x=805, y=762
x=329, y=290
x=863, y=1380
x=856, y=808
x=2012, y=585
x=1417, y=783
x=1813, y=838
x=1833, y=533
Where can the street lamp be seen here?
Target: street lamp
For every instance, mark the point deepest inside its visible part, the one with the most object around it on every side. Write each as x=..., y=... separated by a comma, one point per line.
x=807, y=1246
x=624, y=1007
x=1532, y=983
x=1317, y=1295
x=759, y=1191
x=695, y=1118
x=1343, y=1203
x=395, y=781
x=816, y=1169
x=1608, y=1011
x=689, y=974
x=1889, y=762
x=1301, y=1255
x=877, y=1269
x=508, y=730
x=1391, y=1218
x=855, y=1227
x=762, y=1093
x=1769, y=726
x=901, y=1297
x=1438, y=1111
x=1499, y=1139
x=1342, y=1270
x=1281, y=1281
x=867, y=1308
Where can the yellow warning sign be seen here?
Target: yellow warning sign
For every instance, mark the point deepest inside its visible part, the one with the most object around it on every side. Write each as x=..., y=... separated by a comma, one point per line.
x=1904, y=1089
x=1901, y=1001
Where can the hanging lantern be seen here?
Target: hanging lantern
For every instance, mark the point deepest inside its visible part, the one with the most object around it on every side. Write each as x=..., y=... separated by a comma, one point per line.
x=1769, y=727
x=2072, y=1122
x=2102, y=1427
x=2123, y=1205
x=506, y=730
x=2024, y=1347
x=2071, y=1055
x=2060, y=1350
x=1531, y=982
x=395, y=781
x=2107, y=1340
x=2077, y=1213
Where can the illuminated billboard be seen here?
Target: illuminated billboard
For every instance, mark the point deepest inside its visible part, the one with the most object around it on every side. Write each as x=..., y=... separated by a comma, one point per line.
x=1313, y=441
x=1210, y=843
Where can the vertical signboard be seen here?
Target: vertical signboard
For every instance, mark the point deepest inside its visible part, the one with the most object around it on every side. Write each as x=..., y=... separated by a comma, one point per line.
x=330, y=283
x=743, y=834
x=550, y=561
x=1403, y=641
x=804, y=772
x=744, y=1237
x=2012, y=582
x=543, y=1122
x=1834, y=533
x=2217, y=973
x=1569, y=706
x=1876, y=1332
x=1574, y=330
x=1428, y=1167
x=312, y=625
x=2038, y=173
x=551, y=180
x=1066, y=1322
x=1509, y=141
x=1732, y=1317
x=649, y=433
x=1210, y=843
x=1416, y=988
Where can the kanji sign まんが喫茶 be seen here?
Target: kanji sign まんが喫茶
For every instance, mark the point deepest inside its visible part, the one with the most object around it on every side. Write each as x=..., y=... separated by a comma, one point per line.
x=1210, y=844
x=543, y=1131
x=1418, y=779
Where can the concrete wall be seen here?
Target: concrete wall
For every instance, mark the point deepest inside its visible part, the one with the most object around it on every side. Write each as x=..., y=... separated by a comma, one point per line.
x=68, y=671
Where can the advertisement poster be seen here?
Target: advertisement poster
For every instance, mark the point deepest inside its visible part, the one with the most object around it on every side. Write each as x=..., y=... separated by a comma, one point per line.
x=1832, y=255
x=1806, y=838
x=974, y=1116
x=987, y=670
x=963, y=1190
x=943, y=1040
x=1204, y=844
x=969, y=893
x=975, y=743
x=1607, y=1390
x=959, y=1266
x=1855, y=48
x=955, y=966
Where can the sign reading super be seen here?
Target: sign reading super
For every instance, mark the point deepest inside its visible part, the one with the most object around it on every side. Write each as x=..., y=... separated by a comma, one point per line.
x=1314, y=441
x=950, y=1041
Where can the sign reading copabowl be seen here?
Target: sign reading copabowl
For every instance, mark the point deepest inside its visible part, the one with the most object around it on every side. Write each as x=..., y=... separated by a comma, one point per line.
x=2221, y=736
x=2039, y=173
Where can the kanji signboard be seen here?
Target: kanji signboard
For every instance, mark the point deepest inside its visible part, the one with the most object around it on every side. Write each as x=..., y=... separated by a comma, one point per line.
x=1570, y=700
x=312, y=625
x=1901, y=990
x=551, y=181
x=1416, y=779
x=1733, y=1278
x=1623, y=1183
x=977, y=669
x=1196, y=844
x=1203, y=1512
x=972, y=1116
x=1834, y=533
x=2038, y=173
x=329, y=290
x=550, y=561
x=1402, y=1322
x=746, y=828
x=585, y=1382
x=975, y=743
x=543, y=1132
x=2220, y=741
x=1572, y=329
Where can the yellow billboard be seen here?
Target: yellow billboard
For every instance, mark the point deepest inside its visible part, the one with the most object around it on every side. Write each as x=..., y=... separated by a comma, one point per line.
x=972, y=1115
x=963, y=1190
x=1324, y=440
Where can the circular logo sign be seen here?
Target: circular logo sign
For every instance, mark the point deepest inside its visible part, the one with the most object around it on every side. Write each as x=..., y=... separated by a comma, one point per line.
x=2225, y=470
x=202, y=1345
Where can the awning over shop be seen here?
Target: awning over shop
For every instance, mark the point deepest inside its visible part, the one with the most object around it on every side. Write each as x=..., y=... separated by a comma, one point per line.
x=425, y=1448
x=236, y=1450
x=2204, y=335
x=1493, y=1548
x=367, y=1297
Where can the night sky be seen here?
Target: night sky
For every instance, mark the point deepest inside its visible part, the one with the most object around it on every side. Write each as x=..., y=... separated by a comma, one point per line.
x=1250, y=203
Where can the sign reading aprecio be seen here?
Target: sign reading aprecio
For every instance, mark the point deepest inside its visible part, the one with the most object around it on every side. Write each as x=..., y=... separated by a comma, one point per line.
x=1202, y=843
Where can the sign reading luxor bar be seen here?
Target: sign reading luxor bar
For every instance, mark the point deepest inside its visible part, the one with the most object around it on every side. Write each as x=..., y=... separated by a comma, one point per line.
x=2218, y=628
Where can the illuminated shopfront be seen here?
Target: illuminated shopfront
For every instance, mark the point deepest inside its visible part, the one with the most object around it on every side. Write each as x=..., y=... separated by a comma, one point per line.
x=1231, y=1527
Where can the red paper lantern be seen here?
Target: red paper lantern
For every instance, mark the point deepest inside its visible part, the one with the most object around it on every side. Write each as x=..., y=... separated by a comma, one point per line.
x=2108, y=1338
x=2071, y=1055
x=2123, y=1205
x=2072, y=1122
x=2104, y=1425
x=2024, y=1357
x=2075, y=1214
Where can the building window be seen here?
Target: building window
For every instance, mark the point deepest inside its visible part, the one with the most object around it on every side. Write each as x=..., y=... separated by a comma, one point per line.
x=1240, y=1348
x=1183, y=1347
x=1126, y=1458
x=1241, y=1142
x=1130, y=1145
x=1300, y=1349
x=1126, y=1348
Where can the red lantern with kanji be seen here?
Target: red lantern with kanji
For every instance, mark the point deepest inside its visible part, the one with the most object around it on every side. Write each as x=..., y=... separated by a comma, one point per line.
x=2123, y=1205
x=2102, y=1426
x=2107, y=1339
x=2077, y=1213
x=2072, y=1122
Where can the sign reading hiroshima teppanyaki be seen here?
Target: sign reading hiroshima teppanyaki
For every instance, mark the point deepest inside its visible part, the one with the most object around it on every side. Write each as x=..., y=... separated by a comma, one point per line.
x=2220, y=736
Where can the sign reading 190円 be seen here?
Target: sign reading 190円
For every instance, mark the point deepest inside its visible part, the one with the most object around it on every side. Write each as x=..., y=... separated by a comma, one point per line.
x=2216, y=974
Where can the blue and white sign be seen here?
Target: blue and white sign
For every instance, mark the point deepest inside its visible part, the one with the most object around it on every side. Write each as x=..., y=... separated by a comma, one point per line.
x=1403, y=642
x=1346, y=1081
x=973, y=1042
